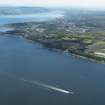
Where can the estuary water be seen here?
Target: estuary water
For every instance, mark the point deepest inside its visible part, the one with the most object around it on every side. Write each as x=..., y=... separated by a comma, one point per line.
x=38, y=17
x=33, y=75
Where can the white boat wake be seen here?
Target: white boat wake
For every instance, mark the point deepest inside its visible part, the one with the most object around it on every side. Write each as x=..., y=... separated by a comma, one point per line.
x=48, y=86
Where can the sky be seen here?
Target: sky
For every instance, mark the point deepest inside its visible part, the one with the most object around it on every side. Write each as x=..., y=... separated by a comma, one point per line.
x=56, y=3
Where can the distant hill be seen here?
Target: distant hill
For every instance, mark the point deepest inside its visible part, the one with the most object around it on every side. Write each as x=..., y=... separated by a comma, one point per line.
x=22, y=10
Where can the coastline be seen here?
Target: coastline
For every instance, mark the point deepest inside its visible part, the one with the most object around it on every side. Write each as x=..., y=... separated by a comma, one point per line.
x=20, y=29
x=59, y=50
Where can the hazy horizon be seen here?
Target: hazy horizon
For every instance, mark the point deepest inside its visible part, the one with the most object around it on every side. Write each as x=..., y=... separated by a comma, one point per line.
x=91, y=4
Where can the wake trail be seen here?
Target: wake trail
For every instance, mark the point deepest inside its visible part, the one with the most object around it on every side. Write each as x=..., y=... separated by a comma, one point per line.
x=49, y=86
x=40, y=84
